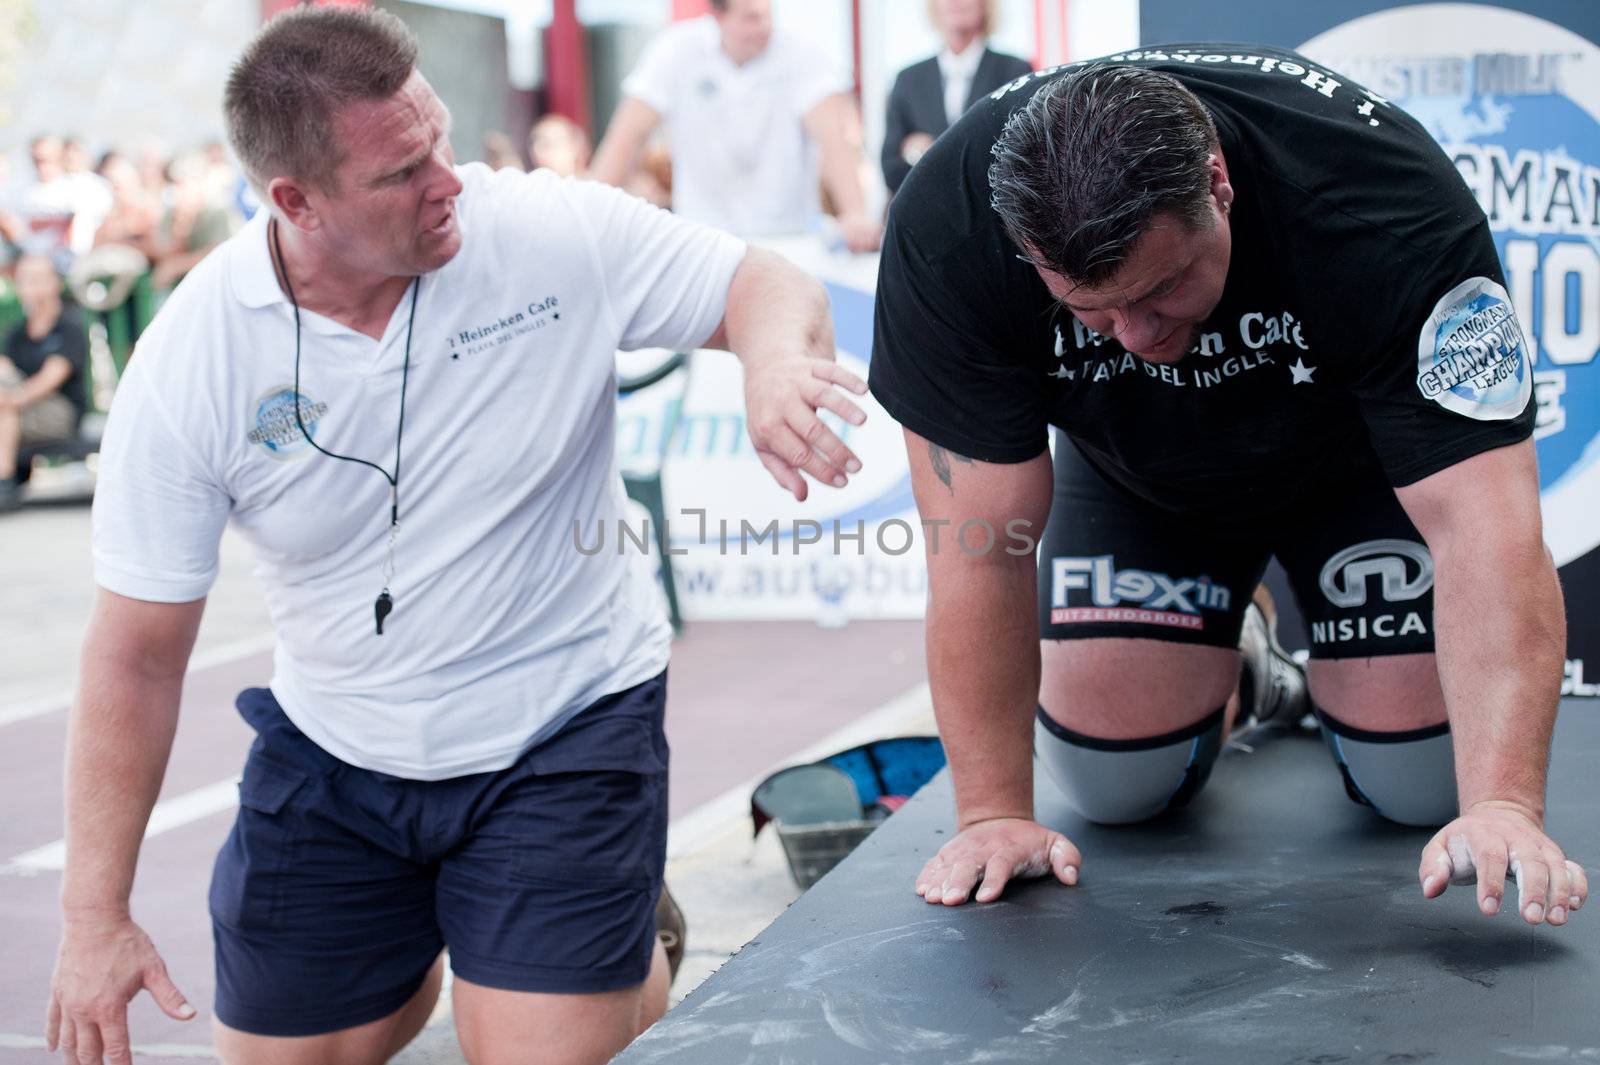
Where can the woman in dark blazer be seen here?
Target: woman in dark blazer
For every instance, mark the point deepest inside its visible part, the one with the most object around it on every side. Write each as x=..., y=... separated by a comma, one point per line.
x=928, y=96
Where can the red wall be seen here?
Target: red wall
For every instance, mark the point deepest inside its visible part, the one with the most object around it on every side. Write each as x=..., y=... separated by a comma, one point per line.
x=273, y=7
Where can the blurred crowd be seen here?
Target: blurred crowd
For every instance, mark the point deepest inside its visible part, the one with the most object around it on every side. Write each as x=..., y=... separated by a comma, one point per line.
x=724, y=120
x=168, y=209
x=88, y=248
x=559, y=144
x=760, y=131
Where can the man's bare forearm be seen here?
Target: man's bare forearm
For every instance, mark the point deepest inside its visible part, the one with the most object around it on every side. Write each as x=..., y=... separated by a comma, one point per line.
x=826, y=123
x=48, y=381
x=841, y=177
x=982, y=628
x=983, y=669
x=775, y=311
x=1500, y=637
x=618, y=155
x=614, y=163
x=118, y=740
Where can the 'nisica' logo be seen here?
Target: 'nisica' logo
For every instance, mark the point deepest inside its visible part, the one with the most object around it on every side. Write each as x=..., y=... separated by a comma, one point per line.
x=1344, y=577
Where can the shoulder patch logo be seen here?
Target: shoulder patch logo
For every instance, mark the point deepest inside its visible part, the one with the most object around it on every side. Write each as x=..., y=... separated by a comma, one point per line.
x=1471, y=356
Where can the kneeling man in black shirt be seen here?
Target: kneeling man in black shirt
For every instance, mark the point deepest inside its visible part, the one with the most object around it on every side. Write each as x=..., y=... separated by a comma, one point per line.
x=1265, y=317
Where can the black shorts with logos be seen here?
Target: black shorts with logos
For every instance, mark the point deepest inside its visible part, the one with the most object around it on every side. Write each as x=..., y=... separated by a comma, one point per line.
x=1112, y=564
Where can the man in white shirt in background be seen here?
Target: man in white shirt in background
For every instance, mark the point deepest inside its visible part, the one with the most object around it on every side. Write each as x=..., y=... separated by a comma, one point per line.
x=45, y=206
x=462, y=743
x=751, y=118
x=91, y=195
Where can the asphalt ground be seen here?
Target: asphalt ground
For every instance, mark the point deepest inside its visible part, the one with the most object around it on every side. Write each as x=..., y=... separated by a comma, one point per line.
x=745, y=698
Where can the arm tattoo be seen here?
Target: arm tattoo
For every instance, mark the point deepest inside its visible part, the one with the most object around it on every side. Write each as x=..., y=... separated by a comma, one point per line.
x=940, y=457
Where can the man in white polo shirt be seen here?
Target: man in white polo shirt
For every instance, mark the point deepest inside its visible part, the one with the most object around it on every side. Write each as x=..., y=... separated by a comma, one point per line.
x=398, y=384
x=750, y=116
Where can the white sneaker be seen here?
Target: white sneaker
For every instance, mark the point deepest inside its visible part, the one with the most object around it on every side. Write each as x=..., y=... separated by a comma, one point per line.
x=1272, y=685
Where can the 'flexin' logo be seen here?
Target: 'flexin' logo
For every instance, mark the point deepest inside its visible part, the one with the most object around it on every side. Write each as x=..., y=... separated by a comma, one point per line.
x=1131, y=595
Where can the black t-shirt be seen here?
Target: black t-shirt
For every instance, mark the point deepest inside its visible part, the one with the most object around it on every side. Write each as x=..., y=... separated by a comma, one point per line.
x=66, y=339
x=1351, y=330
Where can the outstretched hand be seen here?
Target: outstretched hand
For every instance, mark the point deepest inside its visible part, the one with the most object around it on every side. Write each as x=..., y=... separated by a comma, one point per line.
x=990, y=854
x=1488, y=839
x=782, y=403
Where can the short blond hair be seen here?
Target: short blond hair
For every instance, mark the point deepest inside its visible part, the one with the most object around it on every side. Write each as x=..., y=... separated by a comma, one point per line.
x=293, y=77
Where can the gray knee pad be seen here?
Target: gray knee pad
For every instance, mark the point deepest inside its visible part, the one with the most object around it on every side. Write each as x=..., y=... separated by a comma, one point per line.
x=1408, y=777
x=1118, y=782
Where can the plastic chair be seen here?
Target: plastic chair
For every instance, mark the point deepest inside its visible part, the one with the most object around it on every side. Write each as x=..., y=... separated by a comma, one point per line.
x=644, y=485
x=812, y=794
x=823, y=810
x=817, y=813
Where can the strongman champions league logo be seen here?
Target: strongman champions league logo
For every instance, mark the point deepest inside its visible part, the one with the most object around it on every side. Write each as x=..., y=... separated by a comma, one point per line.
x=274, y=427
x=1470, y=354
x=1515, y=102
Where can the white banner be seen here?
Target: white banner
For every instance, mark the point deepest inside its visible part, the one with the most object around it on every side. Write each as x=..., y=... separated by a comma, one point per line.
x=749, y=550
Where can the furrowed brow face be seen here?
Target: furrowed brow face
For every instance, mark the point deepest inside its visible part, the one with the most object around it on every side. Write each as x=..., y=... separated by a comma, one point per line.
x=1073, y=301
x=403, y=171
x=441, y=123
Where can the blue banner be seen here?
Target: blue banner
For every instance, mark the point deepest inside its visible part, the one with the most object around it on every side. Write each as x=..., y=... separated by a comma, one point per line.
x=1511, y=89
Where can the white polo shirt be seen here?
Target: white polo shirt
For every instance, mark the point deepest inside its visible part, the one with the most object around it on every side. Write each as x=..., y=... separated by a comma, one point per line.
x=502, y=628
x=741, y=160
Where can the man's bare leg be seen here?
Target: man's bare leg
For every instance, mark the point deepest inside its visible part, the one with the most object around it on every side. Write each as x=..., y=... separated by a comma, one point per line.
x=368, y=1044
x=1393, y=693
x=1128, y=689
x=654, y=1003
x=10, y=442
x=499, y=1027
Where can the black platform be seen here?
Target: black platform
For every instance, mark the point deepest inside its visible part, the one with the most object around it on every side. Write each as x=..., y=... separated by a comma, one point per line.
x=1272, y=921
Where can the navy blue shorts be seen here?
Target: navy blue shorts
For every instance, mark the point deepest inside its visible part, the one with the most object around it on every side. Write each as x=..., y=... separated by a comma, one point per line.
x=339, y=886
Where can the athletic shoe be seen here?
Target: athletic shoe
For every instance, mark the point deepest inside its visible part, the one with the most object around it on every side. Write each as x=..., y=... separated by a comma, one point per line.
x=1272, y=685
x=670, y=930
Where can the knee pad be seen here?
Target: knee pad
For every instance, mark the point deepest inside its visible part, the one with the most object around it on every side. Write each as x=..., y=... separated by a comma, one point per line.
x=1407, y=777
x=1118, y=782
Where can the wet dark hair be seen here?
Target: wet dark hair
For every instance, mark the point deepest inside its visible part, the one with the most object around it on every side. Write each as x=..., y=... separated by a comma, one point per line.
x=1081, y=170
